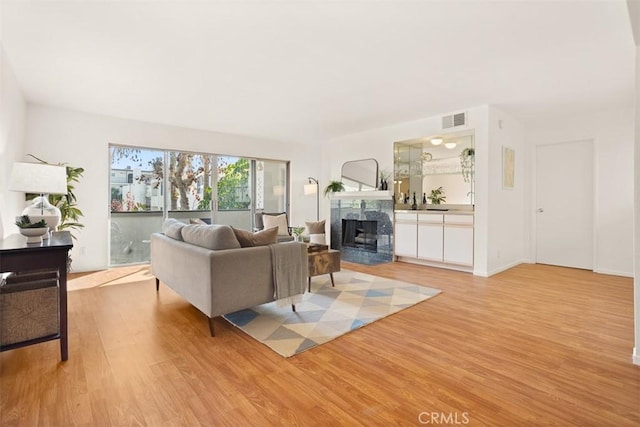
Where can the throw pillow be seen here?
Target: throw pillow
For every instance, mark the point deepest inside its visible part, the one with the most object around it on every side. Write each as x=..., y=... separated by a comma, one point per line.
x=315, y=227
x=197, y=221
x=279, y=221
x=259, y=238
x=173, y=228
x=318, y=239
x=215, y=237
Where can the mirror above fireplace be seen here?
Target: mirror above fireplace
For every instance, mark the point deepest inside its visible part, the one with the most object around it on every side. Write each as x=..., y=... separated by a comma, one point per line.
x=360, y=175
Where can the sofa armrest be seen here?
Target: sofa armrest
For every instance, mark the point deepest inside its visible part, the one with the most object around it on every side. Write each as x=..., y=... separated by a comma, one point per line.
x=241, y=278
x=185, y=268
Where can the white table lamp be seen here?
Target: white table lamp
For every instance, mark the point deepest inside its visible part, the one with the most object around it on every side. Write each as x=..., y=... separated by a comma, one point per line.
x=42, y=179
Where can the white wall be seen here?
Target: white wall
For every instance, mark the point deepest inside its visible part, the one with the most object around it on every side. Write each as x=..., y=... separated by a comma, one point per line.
x=636, y=240
x=634, y=14
x=12, y=124
x=82, y=140
x=507, y=232
x=378, y=143
x=612, y=133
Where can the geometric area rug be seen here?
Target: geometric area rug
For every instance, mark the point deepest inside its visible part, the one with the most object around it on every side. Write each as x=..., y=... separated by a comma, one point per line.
x=328, y=312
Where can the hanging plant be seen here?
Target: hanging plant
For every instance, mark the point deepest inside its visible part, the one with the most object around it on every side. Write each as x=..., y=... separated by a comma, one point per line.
x=467, y=160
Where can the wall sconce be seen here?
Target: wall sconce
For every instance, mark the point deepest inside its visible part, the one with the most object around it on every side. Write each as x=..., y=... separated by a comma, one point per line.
x=312, y=188
x=450, y=145
x=436, y=141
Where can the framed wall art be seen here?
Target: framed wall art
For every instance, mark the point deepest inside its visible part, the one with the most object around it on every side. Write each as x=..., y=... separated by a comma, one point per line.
x=508, y=167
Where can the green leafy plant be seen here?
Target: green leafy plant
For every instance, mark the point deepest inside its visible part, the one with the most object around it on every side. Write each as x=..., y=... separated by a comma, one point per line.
x=437, y=196
x=70, y=214
x=467, y=160
x=297, y=231
x=25, y=222
x=333, y=187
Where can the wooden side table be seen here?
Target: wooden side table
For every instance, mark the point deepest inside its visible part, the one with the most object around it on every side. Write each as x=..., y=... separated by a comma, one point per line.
x=325, y=262
x=17, y=256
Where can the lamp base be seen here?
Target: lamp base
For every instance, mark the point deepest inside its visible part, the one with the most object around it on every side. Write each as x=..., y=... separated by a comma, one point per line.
x=41, y=209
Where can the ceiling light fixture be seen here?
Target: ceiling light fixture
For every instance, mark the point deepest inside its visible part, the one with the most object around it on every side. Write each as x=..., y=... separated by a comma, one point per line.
x=450, y=145
x=436, y=141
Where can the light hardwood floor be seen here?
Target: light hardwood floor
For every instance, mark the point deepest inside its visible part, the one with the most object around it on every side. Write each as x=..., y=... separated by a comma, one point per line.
x=535, y=345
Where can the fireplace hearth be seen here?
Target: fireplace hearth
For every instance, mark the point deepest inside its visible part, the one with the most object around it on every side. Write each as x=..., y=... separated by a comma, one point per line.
x=362, y=228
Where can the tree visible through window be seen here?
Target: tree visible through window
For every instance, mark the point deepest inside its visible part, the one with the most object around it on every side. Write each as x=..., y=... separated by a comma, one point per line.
x=233, y=183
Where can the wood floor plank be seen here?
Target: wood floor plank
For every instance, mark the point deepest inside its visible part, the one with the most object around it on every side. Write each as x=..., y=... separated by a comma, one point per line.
x=534, y=345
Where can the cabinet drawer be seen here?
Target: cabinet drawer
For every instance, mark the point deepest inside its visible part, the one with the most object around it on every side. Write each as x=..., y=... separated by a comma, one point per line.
x=458, y=220
x=407, y=217
x=430, y=218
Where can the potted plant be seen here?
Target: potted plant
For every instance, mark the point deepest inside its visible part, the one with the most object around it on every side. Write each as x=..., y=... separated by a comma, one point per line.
x=33, y=231
x=333, y=187
x=437, y=196
x=467, y=158
x=297, y=232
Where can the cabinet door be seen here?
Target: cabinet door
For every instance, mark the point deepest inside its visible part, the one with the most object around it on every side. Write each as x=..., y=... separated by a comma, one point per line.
x=458, y=244
x=430, y=237
x=405, y=238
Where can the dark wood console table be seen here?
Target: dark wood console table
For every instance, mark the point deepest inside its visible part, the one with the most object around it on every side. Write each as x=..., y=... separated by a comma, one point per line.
x=17, y=256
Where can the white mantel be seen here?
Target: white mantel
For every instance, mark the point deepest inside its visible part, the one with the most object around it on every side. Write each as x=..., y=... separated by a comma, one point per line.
x=363, y=195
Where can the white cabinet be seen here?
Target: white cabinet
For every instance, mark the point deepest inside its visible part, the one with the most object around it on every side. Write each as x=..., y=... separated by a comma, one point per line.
x=458, y=239
x=430, y=237
x=435, y=238
x=405, y=239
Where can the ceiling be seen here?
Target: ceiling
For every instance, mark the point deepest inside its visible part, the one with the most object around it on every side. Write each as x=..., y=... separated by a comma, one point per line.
x=311, y=70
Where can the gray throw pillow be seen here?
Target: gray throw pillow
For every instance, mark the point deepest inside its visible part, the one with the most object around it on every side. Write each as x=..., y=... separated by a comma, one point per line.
x=215, y=236
x=315, y=227
x=173, y=228
x=259, y=238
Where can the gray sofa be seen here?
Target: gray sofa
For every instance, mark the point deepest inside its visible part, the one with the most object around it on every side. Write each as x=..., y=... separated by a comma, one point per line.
x=208, y=267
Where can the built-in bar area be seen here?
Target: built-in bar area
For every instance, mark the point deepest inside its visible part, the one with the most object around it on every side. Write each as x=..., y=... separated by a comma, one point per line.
x=424, y=214
x=434, y=200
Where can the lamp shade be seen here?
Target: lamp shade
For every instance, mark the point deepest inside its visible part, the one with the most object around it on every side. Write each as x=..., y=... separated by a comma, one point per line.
x=310, y=188
x=38, y=178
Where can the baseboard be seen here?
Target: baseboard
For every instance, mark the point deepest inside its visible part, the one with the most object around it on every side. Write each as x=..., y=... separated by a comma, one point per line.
x=613, y=272
x=636, y=356
x=505, y=267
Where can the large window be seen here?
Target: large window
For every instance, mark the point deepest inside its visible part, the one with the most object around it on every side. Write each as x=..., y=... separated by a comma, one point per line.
x=199, y=187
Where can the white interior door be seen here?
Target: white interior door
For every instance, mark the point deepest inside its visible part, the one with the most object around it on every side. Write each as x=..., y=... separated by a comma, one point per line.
x=564, y=218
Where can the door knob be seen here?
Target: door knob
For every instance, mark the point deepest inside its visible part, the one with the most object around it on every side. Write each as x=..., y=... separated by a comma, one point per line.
x=540, y=210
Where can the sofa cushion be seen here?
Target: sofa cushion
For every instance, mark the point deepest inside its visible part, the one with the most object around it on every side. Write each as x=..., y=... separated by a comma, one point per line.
x=316, y=227
x=279, y=221
x=173, y=228
x=259, y=238
x=215, y=236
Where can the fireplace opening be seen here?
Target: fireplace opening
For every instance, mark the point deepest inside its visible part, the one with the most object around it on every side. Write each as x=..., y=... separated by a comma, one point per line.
x=361, y=234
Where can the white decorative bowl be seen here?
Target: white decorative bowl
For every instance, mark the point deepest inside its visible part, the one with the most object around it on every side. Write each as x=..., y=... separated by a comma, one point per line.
x=34, y=235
